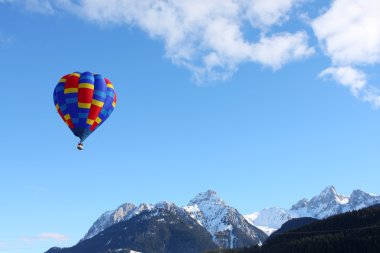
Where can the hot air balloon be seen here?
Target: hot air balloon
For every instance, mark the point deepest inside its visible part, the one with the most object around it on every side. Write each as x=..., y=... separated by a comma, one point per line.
x=84, y=101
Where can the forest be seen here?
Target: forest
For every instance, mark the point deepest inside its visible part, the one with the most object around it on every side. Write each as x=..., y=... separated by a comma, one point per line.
x=352, y=232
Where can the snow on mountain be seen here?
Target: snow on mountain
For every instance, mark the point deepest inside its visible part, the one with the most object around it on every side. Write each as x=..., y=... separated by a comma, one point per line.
x=209, y=210
x=126, y=212
x=224, y=223
x=360, y=199
x=227, y=226
x=123, y=212
x=267, y=230
x=326, y=204
x=269, y=218
x=124, y=250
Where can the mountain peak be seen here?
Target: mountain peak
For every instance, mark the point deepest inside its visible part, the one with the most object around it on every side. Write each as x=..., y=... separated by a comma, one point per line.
x=224, y=223
x=326, y=204
x=358, y=192
x=329, y=190
x=360, y=199
x=209, y=196
x=300, y=204
x=359, y=196
x=169, y=206
x=328, y=197
x=122, y=211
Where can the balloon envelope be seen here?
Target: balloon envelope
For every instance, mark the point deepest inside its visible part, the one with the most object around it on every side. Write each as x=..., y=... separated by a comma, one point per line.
x=84, y=101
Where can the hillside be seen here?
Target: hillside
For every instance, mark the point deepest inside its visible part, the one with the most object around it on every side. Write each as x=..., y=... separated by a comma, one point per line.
x=352, y=232
x=156, y=231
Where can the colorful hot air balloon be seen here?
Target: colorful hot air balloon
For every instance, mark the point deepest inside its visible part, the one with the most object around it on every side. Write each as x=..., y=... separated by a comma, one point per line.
x=84, y=101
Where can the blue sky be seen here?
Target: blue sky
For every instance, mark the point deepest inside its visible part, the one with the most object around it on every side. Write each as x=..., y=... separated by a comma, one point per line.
x=264, y=103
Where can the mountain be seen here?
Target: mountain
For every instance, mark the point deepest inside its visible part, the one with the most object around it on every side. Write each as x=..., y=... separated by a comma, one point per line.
x=163, y=228
x=291, y=225
x=123, y=212
x=207, y=222
x=326, y=204
x=227, y=226
x=360, y=199
x=269, y=219
x=351, y=232
x=224, y=225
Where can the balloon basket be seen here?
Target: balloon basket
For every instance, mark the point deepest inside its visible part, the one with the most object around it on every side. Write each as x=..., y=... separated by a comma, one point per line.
x=80, y=146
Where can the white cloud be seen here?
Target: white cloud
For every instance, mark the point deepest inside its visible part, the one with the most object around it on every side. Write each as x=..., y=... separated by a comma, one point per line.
x=205, y=36
x=347, y=76
x=281, y=48
x=209, y=36
x=45, y=236
x=356, y=81
x=264, y=13
x=349, y=34
x=372, y=95
x=349, y=31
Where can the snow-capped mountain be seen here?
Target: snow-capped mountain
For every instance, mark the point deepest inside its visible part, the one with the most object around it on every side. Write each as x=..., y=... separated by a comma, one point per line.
x=360, y=199
x=225, y=223
x=229, y=228
x=269, y=219
x=123, y=212
x=326, y=204
x=165, y=228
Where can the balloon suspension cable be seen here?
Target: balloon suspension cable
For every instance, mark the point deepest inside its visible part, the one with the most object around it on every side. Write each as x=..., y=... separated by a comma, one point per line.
x=80, y=146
